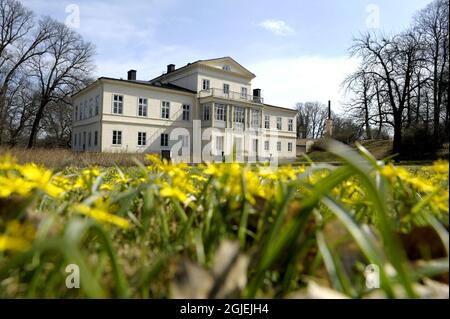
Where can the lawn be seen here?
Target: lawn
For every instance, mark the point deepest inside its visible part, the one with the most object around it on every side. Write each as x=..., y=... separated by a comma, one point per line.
x=162, y=230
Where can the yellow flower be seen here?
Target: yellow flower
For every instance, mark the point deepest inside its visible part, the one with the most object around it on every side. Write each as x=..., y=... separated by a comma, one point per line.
x=102, y=215
x=13, y=243
x=14, y=185
x=172, y=192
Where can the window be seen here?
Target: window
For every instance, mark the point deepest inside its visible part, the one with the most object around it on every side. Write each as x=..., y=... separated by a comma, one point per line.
x=267, y=121
x=243, y=93
x=279, y=122
x=279, y=146
x=85, y=110
x=289, y=147
x=142, y=138
x=255, y=146
x=226, y=67
x=226, y=88
x=118, y=104
x=266, y=145
x=186, y=112
x=205, y=84
x=84, y=139
x=219, y=144
x=97, y=104
x=76, y=112
x=117, y=138
x=239, y=115
x=220, y=112
x=290, y=125
x=255, y=118
x=206, y=112
x=81, y=113
x=75, y=140
x=95, y=138
x=165, y=109
x=79, y=138
x=90, y=108
x=89, y=139
x=142, y=106
x=164, y=139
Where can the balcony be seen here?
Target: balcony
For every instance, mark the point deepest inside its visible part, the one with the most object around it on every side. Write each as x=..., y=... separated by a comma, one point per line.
x=236, y=96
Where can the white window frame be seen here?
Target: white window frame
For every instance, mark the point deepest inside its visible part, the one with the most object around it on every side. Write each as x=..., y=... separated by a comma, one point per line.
x=116, y=137
x=256, y=115
x=226, y=67
x=186, y=115
x=142, y=107
x=221, y=112
x=239, y=115
x=97, y=104
x=91, y=105
x=255, y=145
x=164, y=140
x=290, y=125
x=220, y=140
x=226, y=88
x=267, y=121
x=279, y=123
x=206, y=84
x=165, y=110
x=244, y=92
x=279, y=146
x=206, y=112
x=266, y=145
x=117, y=104
x=142, y=139
x=289, y=146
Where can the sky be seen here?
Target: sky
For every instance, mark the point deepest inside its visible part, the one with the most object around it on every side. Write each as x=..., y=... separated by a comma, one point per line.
x=298, y=49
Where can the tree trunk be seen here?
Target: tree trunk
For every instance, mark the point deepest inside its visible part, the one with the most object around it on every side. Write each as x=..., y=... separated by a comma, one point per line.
x=397, y=143
x=36, y=122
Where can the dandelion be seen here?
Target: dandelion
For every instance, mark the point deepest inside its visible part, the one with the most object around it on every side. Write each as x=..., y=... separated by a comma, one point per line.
x=13, y=243
x=102, y=215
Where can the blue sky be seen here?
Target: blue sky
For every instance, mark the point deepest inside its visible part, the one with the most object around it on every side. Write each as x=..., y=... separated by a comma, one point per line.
x=296, y=48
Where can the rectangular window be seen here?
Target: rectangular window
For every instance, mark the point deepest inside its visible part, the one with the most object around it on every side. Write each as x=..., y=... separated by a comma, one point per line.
x=186, y=112
x=219, y=144
x=142, y=106
x=205, y=84
x=97, y=104
x=76, y=112
x=164, y=139
x=118, y=104
x=243, y=92
x=85, y=110
x=267, y=121
x=289, y=147
x=226, y=88
x=89, y=139
x=75, y=140
x=279, y=122
x=95, y=138
x=84, y=139
x=117, y=138
x=81, y=113
x=165, y=110
x=221, y=112
x=90, y=108
x=266, y=145
x=255, y=146
x=279, y=146
x=255, y=118
x=206, y=112
x=142, y=138
x=290, y=125
x=239, y=114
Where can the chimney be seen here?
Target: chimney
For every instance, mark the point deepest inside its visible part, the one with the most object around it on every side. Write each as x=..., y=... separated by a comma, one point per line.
x=329, y=122
x=170, y=68
x=132, y=75
x=257, y=95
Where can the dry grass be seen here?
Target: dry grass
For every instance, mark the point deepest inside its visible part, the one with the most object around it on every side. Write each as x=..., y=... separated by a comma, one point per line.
x=59, y=158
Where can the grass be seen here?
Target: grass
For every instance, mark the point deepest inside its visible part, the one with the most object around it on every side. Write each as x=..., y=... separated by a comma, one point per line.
x=224, y=230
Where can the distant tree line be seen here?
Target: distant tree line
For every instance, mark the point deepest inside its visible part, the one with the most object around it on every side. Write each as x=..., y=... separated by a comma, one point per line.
x=402, y=83
x=42, y=63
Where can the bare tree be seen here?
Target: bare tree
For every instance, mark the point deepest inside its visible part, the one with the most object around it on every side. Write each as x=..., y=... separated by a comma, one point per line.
x=61, y=71
x=312, y=118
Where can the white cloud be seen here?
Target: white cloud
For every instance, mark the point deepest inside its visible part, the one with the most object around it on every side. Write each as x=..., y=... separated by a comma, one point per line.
x=285, y=82
x=278, y=27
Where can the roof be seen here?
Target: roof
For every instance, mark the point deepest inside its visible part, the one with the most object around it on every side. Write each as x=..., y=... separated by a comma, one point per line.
x=280, y=107
x=199, y=61
x=168, y=86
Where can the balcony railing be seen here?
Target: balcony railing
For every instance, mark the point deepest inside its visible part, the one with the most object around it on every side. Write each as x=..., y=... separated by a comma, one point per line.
x=237, y=96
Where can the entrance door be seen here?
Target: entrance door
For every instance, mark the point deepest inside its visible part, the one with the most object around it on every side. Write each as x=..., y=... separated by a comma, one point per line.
x=165, y=154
